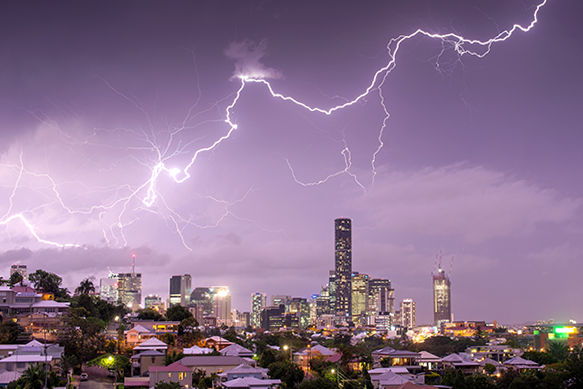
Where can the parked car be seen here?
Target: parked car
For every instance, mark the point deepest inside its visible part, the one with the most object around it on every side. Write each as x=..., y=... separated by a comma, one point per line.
x=83, y=377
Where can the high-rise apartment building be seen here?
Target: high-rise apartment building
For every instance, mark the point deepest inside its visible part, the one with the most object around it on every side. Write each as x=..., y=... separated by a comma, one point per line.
x=221, y=298
x=258, y=302
x=108, y=288
x=129, y=290
x=441, y=298
x=343, y=267
x=180, y=290
x=20, y=269
x=408, y=315
x=280, y=299
x=381, y=297
x=359, y=297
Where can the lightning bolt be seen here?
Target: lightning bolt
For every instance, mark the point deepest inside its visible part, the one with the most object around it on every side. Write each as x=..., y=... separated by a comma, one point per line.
x=147, y=197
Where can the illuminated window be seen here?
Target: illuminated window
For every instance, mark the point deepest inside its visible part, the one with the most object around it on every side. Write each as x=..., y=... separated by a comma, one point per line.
x=181, y=375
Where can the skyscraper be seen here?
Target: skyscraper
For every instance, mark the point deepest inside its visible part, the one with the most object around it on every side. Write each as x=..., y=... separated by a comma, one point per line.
x=258, y=302
x=441, y=298
x=129, y=288
x=359, y=297
x=343, y=266
x=221, y=298
x=408, y=314
x=381, y=297
x=180, y=290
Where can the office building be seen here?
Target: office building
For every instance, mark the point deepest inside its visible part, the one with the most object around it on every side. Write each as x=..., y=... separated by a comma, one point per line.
x=441, y=298
x=343, y=267
x=359, y=298
x=221, y=298
x=408, y=318
x=129, y=289
x=108, y=288
x=180, y=290
x=381, y=297
x=20, y=269
x=258, y=302
x=280, y=299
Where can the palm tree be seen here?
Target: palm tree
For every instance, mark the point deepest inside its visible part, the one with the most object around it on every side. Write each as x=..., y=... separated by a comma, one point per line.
x=33, y=377
x=85, y=287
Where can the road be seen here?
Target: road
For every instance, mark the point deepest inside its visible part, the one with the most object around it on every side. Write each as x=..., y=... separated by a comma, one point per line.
x=97, y=379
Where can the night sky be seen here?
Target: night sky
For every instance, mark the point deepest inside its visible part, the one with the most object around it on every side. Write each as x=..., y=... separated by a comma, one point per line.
x=104, y=104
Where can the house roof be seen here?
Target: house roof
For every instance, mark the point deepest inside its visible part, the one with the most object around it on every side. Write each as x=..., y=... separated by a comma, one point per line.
x=453, y=358
x=411, y=385
x=27, y=358
x=140, y=329
x=148, y=353
x=236, y=350
x=218, y=339
x=152, y=343
x=390, y=378
x=521, y=362
x=244, y=368
x=250, y=382
x=8, y=376
x=383, y=351
x=213, y=360
x=428, y=357
x=176, y=366
x=195, y=350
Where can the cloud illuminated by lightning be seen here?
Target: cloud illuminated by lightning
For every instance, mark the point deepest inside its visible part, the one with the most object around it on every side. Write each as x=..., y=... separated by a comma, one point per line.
x=123, y=200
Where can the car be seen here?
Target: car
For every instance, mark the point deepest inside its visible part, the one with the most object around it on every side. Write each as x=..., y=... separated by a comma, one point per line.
x=83, y=377
x=111, y=373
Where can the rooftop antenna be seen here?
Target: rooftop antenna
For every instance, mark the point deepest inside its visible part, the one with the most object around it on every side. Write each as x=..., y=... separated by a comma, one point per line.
x=133, y=264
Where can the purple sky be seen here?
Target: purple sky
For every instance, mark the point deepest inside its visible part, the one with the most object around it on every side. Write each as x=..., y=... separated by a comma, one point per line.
x=480, y=157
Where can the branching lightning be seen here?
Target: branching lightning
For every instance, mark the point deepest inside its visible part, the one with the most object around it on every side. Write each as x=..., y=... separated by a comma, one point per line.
x=123, y=200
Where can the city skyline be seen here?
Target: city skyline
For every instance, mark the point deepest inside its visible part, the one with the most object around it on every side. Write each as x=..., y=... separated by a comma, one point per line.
x=151, y=129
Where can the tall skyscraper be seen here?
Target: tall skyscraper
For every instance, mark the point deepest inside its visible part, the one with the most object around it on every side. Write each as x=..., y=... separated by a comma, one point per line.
x=343, y=267
x=441, y=298
x=359, y=297
x=408, y=314
x=221, y=298
x=381, y=297
x=180, y=290
x=108, y=288
x=129, y=288
x=258, y=302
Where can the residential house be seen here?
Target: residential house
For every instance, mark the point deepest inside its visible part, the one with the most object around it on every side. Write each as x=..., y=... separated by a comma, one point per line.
x=175, y=372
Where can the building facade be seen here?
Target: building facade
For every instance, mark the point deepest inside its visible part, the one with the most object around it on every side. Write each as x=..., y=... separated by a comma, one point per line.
x=343, y=267
x=408, y=314
x=258, y=302
x=129, y=289
x=180, y=290
x=359, y=297
x=20, y=269
x=441, y=298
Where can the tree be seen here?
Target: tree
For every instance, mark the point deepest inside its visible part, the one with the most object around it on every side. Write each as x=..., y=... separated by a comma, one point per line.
x=174, y=357
x=33, y=378
x=286, y=371
x=11, y=332
x=15, y=278
x=167, y=385
x=85, y=287
x=489, y=368
x=558, y=350
x=319, y=383
x=460, y=380
x=178, y=313
x=448, y=378
x=267, y=357
x=48, y=283
x=149, y=314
